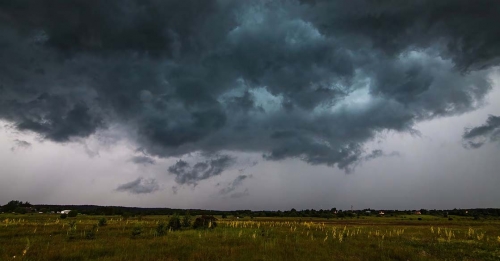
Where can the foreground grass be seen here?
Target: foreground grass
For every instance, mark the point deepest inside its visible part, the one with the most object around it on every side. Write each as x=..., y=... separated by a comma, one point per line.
x=45, y=237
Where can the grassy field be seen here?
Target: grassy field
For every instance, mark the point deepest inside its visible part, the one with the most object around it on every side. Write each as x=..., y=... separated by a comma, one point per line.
x=46, y=237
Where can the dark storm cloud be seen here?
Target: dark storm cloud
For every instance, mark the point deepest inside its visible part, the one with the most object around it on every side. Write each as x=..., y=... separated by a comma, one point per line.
x=313, y=80
x=139, y=186
x=20, y=144
x=190, y=174
x=238, y=181
x=476, y=137
x=142, y=160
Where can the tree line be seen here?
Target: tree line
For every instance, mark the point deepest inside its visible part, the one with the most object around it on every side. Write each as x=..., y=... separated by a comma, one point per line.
x=25, y=207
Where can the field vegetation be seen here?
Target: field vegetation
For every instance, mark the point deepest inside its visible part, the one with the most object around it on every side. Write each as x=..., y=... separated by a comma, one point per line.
x=84, y=237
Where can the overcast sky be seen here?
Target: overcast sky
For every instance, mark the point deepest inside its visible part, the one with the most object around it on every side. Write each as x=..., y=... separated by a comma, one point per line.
x=251, y=104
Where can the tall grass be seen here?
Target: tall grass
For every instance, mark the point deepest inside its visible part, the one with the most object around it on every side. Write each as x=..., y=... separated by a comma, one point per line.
x=45, y=237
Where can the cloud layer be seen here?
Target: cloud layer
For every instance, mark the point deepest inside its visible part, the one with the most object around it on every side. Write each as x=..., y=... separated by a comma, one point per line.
x=313, y=80
x=190, y=174
x=20, y=144
x=139, y=186
x=476, y=137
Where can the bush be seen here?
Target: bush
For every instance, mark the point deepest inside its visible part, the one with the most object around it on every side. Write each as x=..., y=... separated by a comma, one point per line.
x=161, y=229
x=205, y=222
x=91, y=233
x=63, y=216
x=136, y=231
x=186, y=220
x=126, y=215
x=419, y=218
x=103, y=222
x=72, y=213
x=174, y=223
x=450, y=219
x=72, y=230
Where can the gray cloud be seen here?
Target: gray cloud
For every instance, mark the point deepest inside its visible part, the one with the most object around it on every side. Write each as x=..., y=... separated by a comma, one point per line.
x=240, y=194
x=139, y=186
x=476, y=137
x=238, y=181
x=142, y=160
x=312, y=80
x=380, y=153
x=20, y=144
x=186, y=173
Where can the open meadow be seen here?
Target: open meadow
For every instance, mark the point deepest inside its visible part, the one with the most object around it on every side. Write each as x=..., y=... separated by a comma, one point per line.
x=47, y=237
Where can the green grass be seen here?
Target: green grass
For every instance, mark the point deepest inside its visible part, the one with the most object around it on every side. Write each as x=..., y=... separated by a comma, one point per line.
x=45, y=237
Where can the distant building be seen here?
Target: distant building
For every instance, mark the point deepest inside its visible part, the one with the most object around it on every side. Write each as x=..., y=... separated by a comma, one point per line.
x=418, y=213
x=381, y=213
x=65, y=212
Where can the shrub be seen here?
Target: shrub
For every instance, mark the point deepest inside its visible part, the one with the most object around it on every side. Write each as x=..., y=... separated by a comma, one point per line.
x=103, y=222
x=72, y=213
x=419, y=218
x=91, y=233
x=71, y=230
x=450, y=219
x=126, y=215
x=186, y=220
x=161, y=229
x=205, y=222
x=136, y=231
x=174, y=223
x=63, y=216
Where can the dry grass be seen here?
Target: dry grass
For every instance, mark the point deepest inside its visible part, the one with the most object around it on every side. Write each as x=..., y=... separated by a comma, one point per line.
x=45, y=237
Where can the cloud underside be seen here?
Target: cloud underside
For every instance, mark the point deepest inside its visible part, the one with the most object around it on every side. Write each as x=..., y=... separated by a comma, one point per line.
x=20, y=144
x=231, y=187
x=313, y=80
x=143, y=160
x=476, y=137
x=140, y=186
x=190, y=174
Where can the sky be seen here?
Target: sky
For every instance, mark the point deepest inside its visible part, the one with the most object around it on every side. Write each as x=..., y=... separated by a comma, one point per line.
x=262, y=105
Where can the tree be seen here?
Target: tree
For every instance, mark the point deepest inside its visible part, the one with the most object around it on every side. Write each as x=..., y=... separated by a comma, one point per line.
x=72, y=213
x=11, y=206
x=20, y=210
